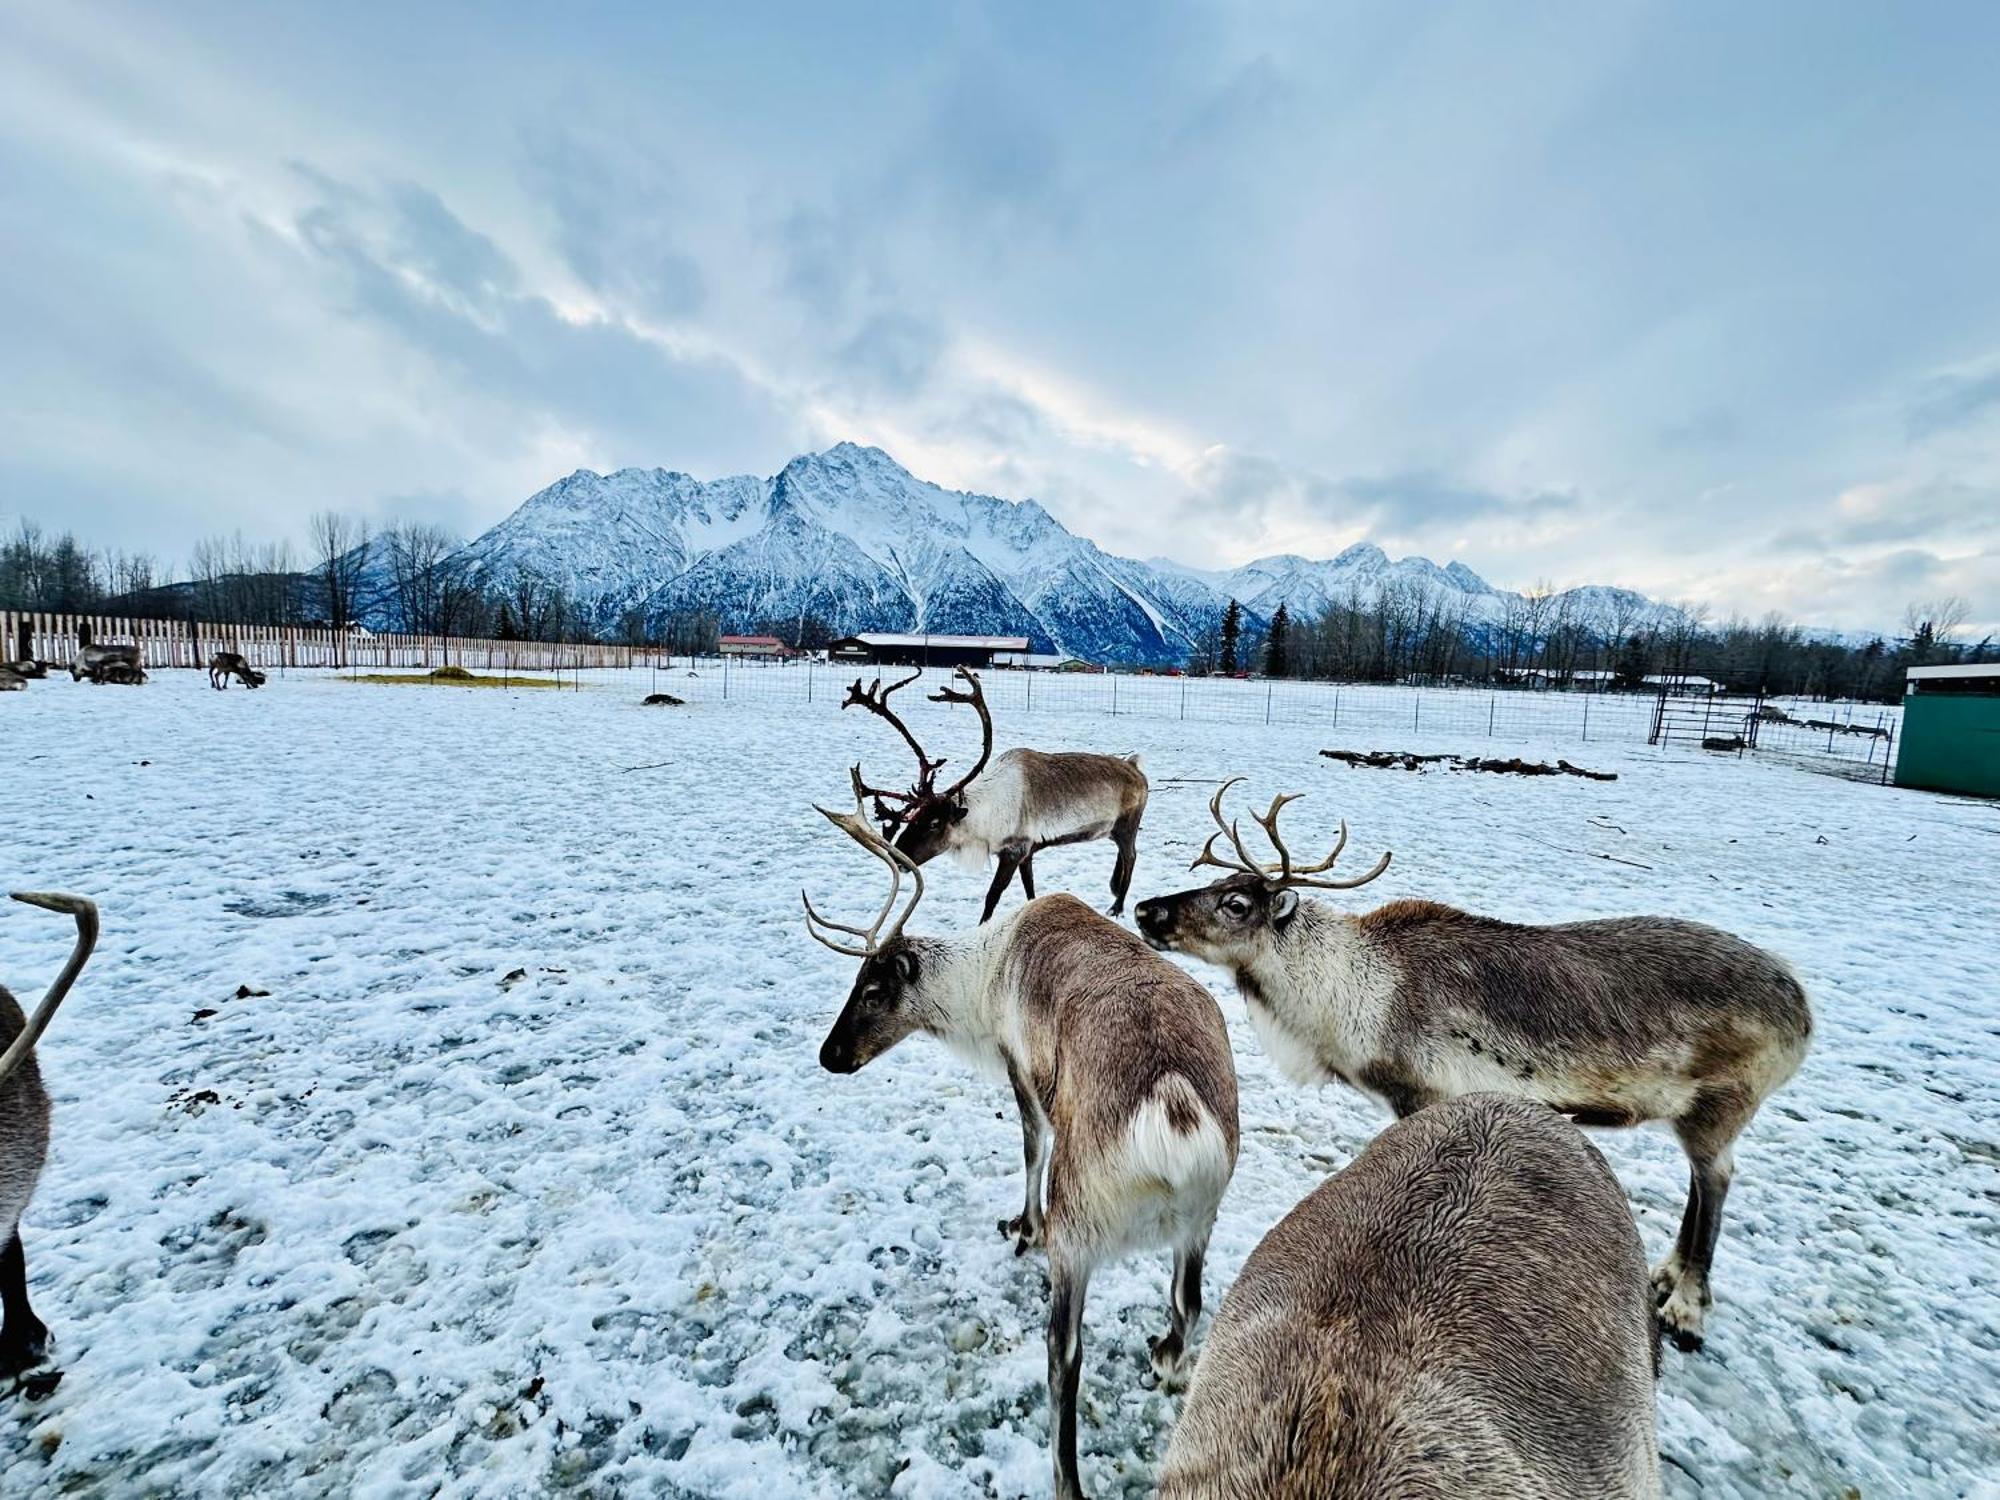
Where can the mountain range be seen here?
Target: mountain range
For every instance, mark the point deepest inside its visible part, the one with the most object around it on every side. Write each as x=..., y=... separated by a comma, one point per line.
x=851, y=538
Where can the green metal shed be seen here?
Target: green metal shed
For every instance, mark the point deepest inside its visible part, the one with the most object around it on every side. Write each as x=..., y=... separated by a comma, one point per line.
x=1951, y=730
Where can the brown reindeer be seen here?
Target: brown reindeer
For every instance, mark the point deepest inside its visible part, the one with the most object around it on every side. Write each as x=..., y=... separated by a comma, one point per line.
x=24, y=1141
x=227, y=664
x=1613, y=1022
x=116, y=663
x=1028, y=800
x=1462, y=1311
x=1111, y=1050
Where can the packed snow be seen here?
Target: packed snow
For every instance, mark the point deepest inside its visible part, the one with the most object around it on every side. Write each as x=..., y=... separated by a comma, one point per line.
x=523, y=1178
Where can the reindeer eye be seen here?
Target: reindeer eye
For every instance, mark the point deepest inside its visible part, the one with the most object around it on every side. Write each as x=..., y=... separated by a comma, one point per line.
x=1236, y=904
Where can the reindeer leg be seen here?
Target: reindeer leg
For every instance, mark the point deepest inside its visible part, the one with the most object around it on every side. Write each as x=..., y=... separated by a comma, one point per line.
x=1125, y=834
x=1010, y=860
x=1027, y=1227
x=1067, y=1284
x=1170, y=1350
x=1680, y=1284
x=1028, y=875
x=24, y=1338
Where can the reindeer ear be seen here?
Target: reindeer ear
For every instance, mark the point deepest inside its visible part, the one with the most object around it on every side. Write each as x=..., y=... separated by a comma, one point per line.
x=958, y=809
x=905, y=965
x=1284, y=906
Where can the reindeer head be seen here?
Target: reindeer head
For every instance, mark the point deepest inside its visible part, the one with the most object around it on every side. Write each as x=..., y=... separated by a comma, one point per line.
x=886, y=1002
x=1229, y=921
x=922, y=822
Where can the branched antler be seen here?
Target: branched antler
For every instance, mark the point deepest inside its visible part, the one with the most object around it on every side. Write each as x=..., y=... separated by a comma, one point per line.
x=873, y=938
x=977, y=698
x=1284, y=873
x=875, y=698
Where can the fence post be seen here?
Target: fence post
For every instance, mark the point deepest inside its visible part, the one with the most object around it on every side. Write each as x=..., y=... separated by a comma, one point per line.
x=1586, y=718
x=1267, y=702
x=1031, y=692
x=1417, y=712
x=1114, y=695
x=1183, y=696
x=1492, y=704
x=1336, y=708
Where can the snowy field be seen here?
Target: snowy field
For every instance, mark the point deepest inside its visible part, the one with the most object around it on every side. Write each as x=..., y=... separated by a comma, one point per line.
x=523, y=1177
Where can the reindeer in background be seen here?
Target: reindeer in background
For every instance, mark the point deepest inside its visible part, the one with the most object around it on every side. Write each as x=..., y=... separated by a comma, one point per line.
x=227, y=664
x=1028, y=800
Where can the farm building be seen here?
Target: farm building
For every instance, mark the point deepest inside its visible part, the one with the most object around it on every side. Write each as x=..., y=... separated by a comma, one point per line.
x=1951, y=730
x=1683, y=683
x=755, y=647
x=884, y=648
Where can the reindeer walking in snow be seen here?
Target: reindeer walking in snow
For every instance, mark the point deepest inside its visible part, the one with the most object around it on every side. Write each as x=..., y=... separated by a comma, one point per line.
x=1111, y=1050
x=1612, y=1022
x=1029, y=800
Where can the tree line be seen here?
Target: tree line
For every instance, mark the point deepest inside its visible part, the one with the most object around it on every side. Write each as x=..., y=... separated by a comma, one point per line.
x=411, y=576
x=1403, y=632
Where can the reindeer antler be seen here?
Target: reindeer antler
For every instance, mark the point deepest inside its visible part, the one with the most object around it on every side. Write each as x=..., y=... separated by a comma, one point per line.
x=977, y=698
x=855, y=826
x=1284, y=873
x=875, y=698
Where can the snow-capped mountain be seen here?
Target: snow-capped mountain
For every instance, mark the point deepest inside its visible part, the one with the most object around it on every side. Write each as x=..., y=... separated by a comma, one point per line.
x=853, y=539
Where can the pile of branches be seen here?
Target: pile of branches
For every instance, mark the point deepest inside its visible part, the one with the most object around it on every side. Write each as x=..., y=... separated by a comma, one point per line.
x=1390, y=760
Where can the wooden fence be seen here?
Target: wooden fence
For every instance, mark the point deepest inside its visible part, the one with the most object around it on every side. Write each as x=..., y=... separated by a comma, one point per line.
x=190, y=643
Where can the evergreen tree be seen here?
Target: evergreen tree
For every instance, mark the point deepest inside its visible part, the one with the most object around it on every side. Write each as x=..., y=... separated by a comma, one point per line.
x=1232, y=627
x=1275, y=663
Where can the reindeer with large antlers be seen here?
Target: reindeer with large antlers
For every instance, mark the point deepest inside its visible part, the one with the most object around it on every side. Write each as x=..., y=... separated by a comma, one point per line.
x=1028, y=800
x=1613, y=1022
x=1112, y=1051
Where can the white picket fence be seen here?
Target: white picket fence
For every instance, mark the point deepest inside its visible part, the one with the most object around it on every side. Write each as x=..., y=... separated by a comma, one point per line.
x=190, y=643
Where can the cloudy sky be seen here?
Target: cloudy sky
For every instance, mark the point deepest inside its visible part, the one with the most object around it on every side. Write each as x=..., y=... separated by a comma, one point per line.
x=1703, y=300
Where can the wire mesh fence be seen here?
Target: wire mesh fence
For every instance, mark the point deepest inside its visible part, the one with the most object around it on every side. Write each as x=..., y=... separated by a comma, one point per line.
x=1849, y=739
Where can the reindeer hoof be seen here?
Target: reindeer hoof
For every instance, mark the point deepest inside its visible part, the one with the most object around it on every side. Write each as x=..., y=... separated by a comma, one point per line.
x=1171, y=1362
x=1026, y=1236
x=40, y=1385
x=1680, y=1318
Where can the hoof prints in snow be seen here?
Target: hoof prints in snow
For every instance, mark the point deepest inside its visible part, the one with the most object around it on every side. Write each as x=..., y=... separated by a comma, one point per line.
x=610, y=1231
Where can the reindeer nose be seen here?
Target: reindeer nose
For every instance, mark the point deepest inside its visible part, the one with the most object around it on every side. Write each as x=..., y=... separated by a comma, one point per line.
x=836, y=1058
x=1154, y=917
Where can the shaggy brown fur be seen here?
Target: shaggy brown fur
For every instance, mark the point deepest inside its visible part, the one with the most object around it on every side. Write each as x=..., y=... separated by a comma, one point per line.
x=1613, y=1022
x=1461, y=1312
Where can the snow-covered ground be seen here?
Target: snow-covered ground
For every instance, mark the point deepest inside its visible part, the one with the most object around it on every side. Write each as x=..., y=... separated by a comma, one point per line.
x=523, y=1177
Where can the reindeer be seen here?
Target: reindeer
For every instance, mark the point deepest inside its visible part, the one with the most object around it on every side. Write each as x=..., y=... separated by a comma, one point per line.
x=11, y=681
x=93, y=661
x=1117, y=1053
x=120, y=673
x=27, y=666
x=1613, y=1022
x=24, y=1141
x=1030, y=800
x=227, y=664
x=1462, y=1311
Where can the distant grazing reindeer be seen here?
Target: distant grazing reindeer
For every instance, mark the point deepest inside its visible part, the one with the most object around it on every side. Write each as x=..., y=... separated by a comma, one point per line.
x=24, y=1140
x=227, y=664
x=1462, y=1311
x=1114, y=1051
x=1612, y=1022
x=1029, y=800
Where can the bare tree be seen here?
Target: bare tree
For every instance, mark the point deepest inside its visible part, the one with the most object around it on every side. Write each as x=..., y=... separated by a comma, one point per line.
x=340, y=550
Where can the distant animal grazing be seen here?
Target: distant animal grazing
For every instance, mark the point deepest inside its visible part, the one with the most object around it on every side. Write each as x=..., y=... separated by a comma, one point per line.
x=120, y=673
x=93, y=661
x=27, y=666
x=1114, y=1051
x=24, y=1140
x=1029, y=800
x=227, y=664
x=1612, y=1022
x=1462, y=1311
